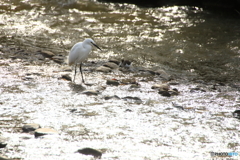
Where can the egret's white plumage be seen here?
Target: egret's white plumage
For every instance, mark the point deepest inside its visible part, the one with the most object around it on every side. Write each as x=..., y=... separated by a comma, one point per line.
x=79, y=53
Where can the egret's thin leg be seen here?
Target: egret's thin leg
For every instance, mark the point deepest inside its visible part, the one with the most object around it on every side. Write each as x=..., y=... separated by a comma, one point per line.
x=81, y=72
x=75, y=72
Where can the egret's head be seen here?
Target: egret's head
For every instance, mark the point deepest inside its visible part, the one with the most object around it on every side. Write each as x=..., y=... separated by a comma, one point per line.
x=91, y=42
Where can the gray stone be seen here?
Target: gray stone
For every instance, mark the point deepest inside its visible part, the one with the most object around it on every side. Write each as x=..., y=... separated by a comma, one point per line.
x=117, y=62
x=90, y=92
x=58, y=59
x=90, y=151
x=66, y=77
x=161, y=87
x=3, y=142
x=30, y=127
x=163, y=74
x=111, y=65
x=111, y=97
x=112, y=82
x=4, y=158
x=47, y=54
x=44, y=131
x=103, y=69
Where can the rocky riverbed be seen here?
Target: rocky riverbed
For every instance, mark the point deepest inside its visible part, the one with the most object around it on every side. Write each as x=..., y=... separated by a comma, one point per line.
x=122, y=112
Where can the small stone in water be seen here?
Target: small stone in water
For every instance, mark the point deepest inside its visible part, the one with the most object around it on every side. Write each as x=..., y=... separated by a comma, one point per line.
x=90, y=92
x=66, y=77
x=47, y=54
x=4, y=158
x=165, y=93
x=111, y=97
x=112, y=82
x=114, y=61
x=110, y=65
x=44, y=131
x=3, y=142
x=177, y=106
x=164, y=87
x=90, y=151
x=103, y=69
x=30, y=127
x=236, y=114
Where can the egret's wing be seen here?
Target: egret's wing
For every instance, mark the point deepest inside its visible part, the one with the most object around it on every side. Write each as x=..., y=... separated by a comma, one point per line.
x=74, y=53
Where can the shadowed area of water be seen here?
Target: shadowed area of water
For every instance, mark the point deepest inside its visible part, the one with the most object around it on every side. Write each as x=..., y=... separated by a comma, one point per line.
x=198, y=49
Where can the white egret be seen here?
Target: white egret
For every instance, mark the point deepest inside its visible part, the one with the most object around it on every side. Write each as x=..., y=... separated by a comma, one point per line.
x=79, y=53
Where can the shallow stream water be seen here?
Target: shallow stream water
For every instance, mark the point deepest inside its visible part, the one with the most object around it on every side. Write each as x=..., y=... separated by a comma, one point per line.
x=199, y=49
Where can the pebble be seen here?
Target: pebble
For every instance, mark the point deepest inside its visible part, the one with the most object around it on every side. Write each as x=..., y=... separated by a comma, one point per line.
x=58, y=59
x=111, y=97
x=197, y=89
x=90, y=92
x=4, y=158
x=112, y=82
x=44, y=131
x=3, y=142
x=177, y=106
x=129, y=81
x=163, y=74
x=133, y=99
x=128, y=110
x=135, y=85
x=111, y=65
x=125, y=63
x=30, y=127
x=66, y=77
x=168, y=93
x=164, y=87
x=90, y=151
x=164, y=93
x=47, y=54
x=114, y=61
x=103, y=69
x=236, y=114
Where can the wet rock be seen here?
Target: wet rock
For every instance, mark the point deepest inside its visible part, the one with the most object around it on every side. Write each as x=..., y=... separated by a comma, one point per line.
x=44, y=131
x=47, y=54
x=236, y=114
x=132, y=99
x=177, y=106
x=129, y=81
x=111, y=97
x=66, y=77
x=173, y=83
x=146, y=72
x=164, y=87
x=30, y=127
x=111, y=65
x=90, y=151
x=174, y=92
x=117, y=62
x=112, y=82
x=27, y=78
x=3, y=142
x=125, y=63
x=137, y=85
x=163, y=74
x=197, y=89
x=4, y=158
x=165, y=93
x=168, y=93
x=58, y=59
x=90, y=92
x=128, y=110
x=103, y=69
